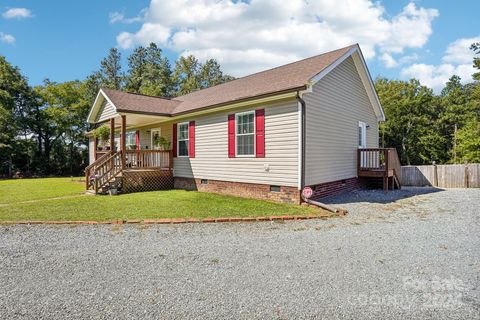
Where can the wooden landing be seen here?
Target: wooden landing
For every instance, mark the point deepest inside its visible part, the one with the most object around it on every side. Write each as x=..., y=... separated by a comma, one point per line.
x=375, y=173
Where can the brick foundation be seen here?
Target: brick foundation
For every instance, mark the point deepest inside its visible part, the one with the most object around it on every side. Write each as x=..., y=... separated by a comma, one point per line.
x=246, y=190
x=326, y=189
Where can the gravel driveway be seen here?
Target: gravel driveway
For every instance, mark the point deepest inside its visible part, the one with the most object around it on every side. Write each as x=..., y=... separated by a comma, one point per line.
x=413, y=253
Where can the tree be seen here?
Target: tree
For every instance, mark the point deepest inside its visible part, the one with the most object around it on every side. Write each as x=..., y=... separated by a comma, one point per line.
x=191, y=75
x=475, y=93
x=475, y=47
x=110, y=73
x=137, y=68
x=410, y=113
x=452, y=114
x=468, y=142
x=15, y=100
x=58, y=123
x=187, y=75
x=211, y=74
x=149, y=72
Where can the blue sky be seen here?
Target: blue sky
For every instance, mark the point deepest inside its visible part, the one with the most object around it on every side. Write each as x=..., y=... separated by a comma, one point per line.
x=65, y=40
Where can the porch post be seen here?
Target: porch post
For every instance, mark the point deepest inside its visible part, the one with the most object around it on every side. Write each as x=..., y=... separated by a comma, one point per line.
x=112, y=134
x=123, y=137
x=95, y=145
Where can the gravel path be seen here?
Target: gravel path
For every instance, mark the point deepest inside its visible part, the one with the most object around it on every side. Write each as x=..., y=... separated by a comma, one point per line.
x=410, y=254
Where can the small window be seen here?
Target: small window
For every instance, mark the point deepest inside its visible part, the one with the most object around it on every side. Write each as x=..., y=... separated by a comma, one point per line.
x=204, y=181
x=245, y=133
x=274, y=188
x=182, y=139
x=362, y=134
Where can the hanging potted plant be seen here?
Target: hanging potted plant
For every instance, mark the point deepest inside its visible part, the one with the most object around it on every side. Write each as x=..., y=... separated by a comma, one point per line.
x=102, y=133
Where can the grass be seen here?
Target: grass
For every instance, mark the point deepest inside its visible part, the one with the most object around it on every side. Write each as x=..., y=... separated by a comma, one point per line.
x=63, y=199
x=14, y=191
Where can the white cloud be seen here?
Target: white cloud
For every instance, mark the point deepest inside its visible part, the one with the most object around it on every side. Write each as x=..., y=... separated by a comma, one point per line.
x=410, y=29
x=248, y=37
x=457, y=60
x=17, y=13
x=459, y=51
x=7, y=38
x=116, y=16
x=388, y=60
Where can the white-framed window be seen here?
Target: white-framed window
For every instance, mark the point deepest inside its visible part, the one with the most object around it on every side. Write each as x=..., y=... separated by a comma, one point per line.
x=182, y=139
x=245, y=133
x=131, y=139
x=362, y=134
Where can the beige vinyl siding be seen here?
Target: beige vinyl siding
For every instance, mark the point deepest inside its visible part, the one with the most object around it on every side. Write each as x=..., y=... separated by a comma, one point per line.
x=334, y=108
x=146, y=134
x=279, y=167
x=106, y=112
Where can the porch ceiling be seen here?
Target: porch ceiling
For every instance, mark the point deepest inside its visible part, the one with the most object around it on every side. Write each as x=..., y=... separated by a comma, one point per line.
x=138, y=120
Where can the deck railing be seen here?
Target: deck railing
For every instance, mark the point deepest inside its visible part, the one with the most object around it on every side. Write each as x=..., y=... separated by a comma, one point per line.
x=375, y=162
x=104, y=169
x=110, y=167
x=372, y=159
x=90, y=170
x=111, y=164
x=394, y=163
x=158, y=159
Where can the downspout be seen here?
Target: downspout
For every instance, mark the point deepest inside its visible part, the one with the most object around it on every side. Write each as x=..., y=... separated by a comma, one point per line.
x=302, y=142
x=303, y=115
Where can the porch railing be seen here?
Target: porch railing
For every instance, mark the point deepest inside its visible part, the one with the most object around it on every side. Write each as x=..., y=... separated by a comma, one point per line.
x=372, y=159
x=111, y=164
x=158, y=159
x=379, y=159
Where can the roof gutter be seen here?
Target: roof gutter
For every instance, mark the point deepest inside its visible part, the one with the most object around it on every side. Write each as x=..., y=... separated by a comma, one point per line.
x=302, y=142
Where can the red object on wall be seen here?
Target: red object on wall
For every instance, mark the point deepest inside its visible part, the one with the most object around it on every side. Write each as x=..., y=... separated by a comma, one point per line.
x=174, y=140
x=191, y=139
x=260, y=133
x=231, y=136
x=137, y=140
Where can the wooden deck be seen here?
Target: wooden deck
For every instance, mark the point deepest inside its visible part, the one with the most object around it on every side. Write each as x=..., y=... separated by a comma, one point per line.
x=133, y=170
x=380, y=163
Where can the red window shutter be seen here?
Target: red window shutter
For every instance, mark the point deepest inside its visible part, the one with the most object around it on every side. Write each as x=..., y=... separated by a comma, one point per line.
x=191, y=139
x=137, y=140
x=174, y=144
x=231, y=136
x=260, y=133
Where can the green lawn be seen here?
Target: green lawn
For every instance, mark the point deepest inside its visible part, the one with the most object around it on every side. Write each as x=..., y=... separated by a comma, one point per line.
x=63, y=199
x=13, y=191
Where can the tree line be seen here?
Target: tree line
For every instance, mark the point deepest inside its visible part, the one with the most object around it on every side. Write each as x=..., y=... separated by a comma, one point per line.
x=42, y=128
x=425, y=127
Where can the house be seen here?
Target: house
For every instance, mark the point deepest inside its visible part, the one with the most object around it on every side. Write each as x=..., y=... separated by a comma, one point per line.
x=311, y=123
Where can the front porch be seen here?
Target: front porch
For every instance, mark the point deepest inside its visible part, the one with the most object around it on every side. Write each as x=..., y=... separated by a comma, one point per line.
x=132, y=167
